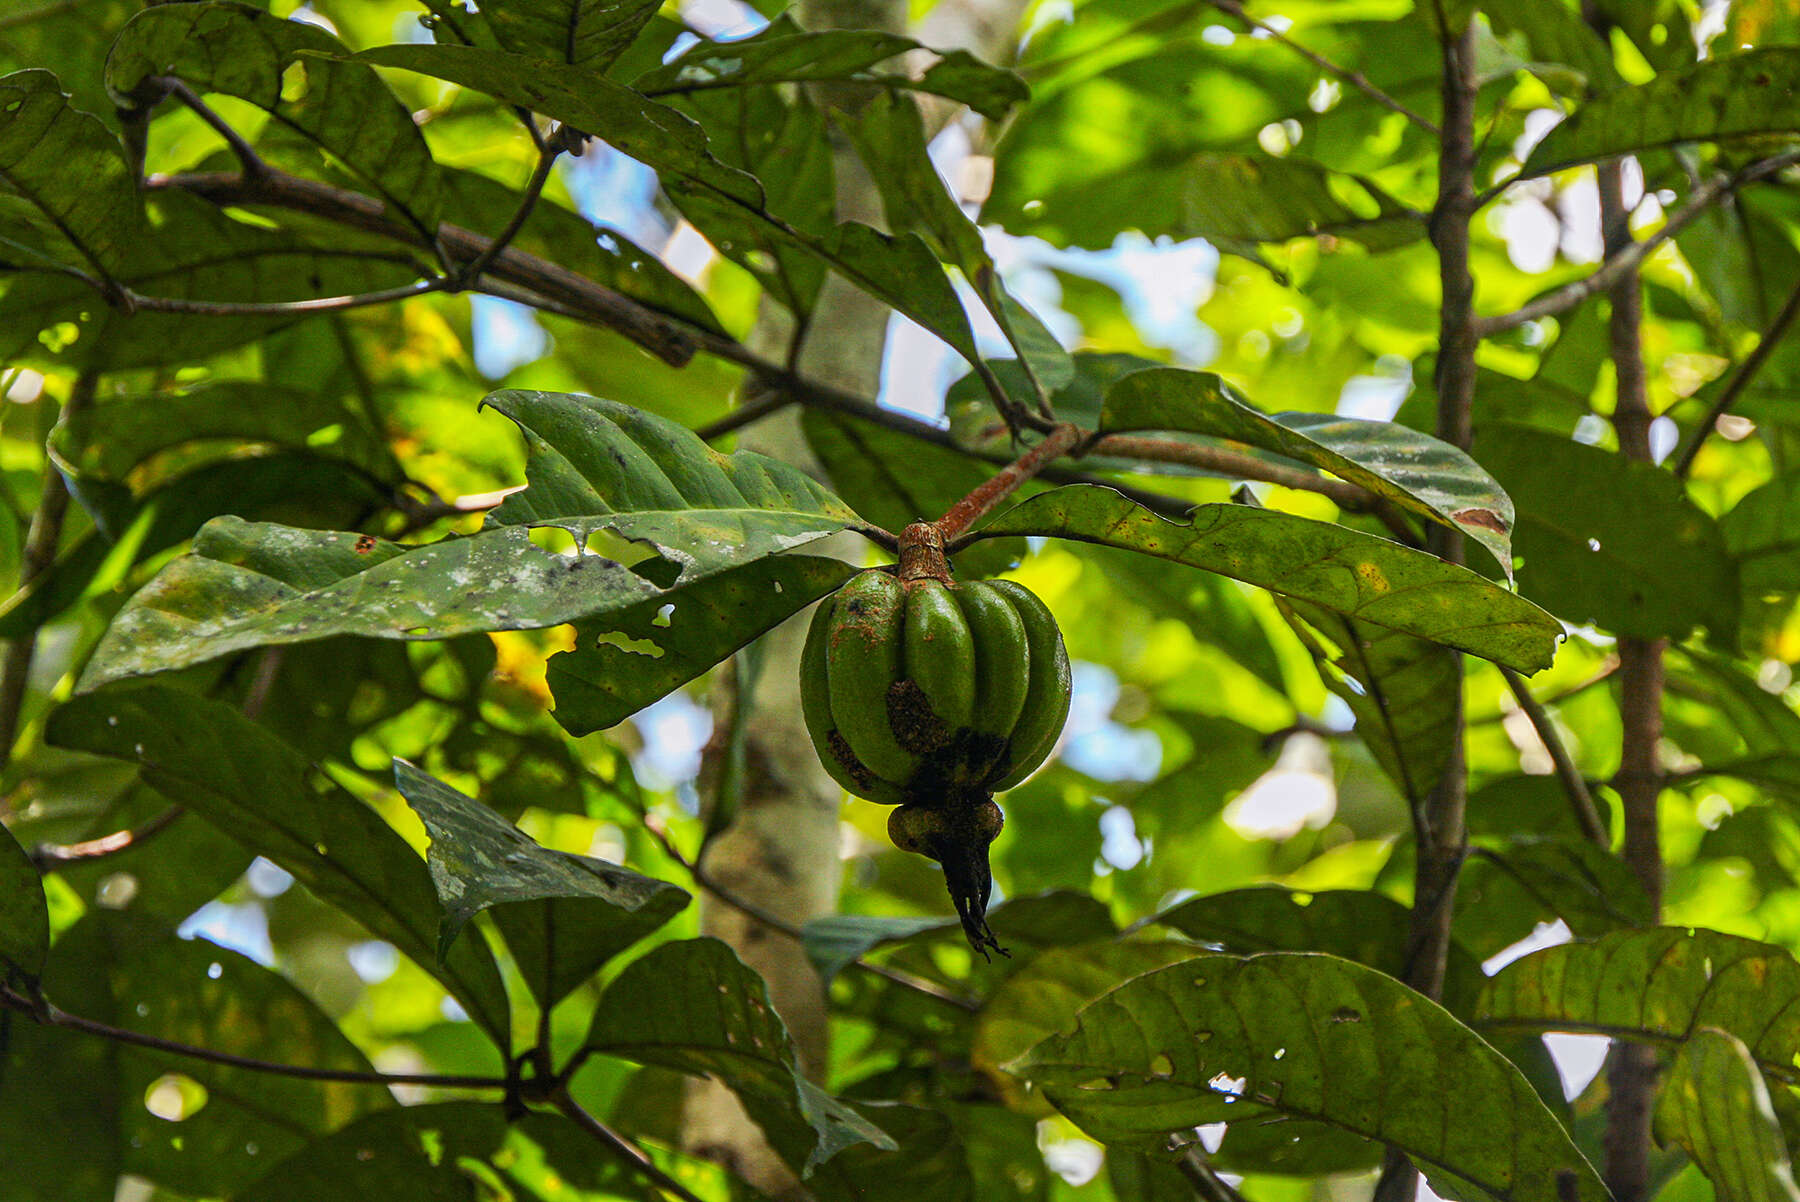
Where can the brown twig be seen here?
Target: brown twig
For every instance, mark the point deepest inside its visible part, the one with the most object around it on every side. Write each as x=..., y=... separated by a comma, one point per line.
x=1002, y=484
x=628, y=1152
x=1740, y=380
x=765, y=403
x=1581, y=799
x=1355, y=79
x=1231, y=463
x=551, y=149
x=1627, y=259
x=51, y=856
x=50, y=1015
x=300, y=308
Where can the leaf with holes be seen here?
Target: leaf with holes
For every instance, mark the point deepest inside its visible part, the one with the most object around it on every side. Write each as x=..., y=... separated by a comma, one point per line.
x=1414, y=471
x=712, y=1017
x=648, y=650
x=1367, y=578
x=1655, y=986
x=1207, y=1041
x=563, y=915
x=295, y=71
x=1716, y=1107
x=262, y=792
x=1725, y=97
x=1401, y=689
x=646, y=489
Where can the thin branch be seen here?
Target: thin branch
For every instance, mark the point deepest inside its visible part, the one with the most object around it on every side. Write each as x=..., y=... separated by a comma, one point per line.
x=51, y=856
x=548, y=153
x=783, y=927
x=1581, y=800
x=765, y=403
x=634, y=1156
x=50, y=1015
x=1231, y=463
x=1208, y=1185
x=1002, y=484
x=252, y=162
x=1355, y=79
x=1740, y=380
x=299, y=308
x=1626, y=259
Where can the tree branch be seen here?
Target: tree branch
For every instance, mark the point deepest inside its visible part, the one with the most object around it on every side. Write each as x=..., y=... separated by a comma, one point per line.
x=1740, y=380
x=1626, y=260
x=51, y=1016
x=632, y=1155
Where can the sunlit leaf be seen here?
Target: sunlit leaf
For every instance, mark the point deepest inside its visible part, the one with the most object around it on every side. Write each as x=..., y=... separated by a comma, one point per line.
x=1364, y=577
x=563, y=915
x=1716, y=1107
x=262, y=792
x=1725, y=97
x=1202, y=1042
x=1657, y=986
x=709, y=1014
x=1416, y=472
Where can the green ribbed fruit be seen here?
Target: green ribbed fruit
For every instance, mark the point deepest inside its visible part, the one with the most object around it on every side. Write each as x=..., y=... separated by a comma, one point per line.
x=914, y=690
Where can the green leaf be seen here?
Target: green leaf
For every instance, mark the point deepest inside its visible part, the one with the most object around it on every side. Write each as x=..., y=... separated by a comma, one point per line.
x=1585, y=885
x=654, y=134
x=590, y=910
x=707, y=1014
x=71, y=171
x=199, y=253
x=583, y=33
x=836, y=941
x=833, y=54
x=1730, y=96
x=344, y=107
x=24, y=917
x=262, y=792
x=1555, y=36
x=1655, y=986
x=1206, y=1041
x=1759, y=534
x=1716, y=1107
x=596, y=469
x=650, y=649
x=1402, y=690
x=449, y=1152
x=197, y=993
x=1416, y=472
x=1652, y=569
x=1364, y=577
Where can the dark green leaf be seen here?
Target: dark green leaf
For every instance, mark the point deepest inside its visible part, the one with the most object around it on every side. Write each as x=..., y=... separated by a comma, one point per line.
x=836, y=941
x=708, y=1014
x=832, y=54
x=24, y=918
x=1716, y=1106
x=199, y=253
x=252, y=54
x=1204, y=1041
x=1415, y=471
x=1656, y=986
x=1731, y=96
x=1759, y=533
x=449, y=1152
x=232, y=772
x=565, y=915
x=1654, y=568
x=1577, y=881
x=652, y=133
x=1402, y=690
x=1359, y=575
x=71, y=171
x=596, y=468
x=583, y=33
x=650, y=649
